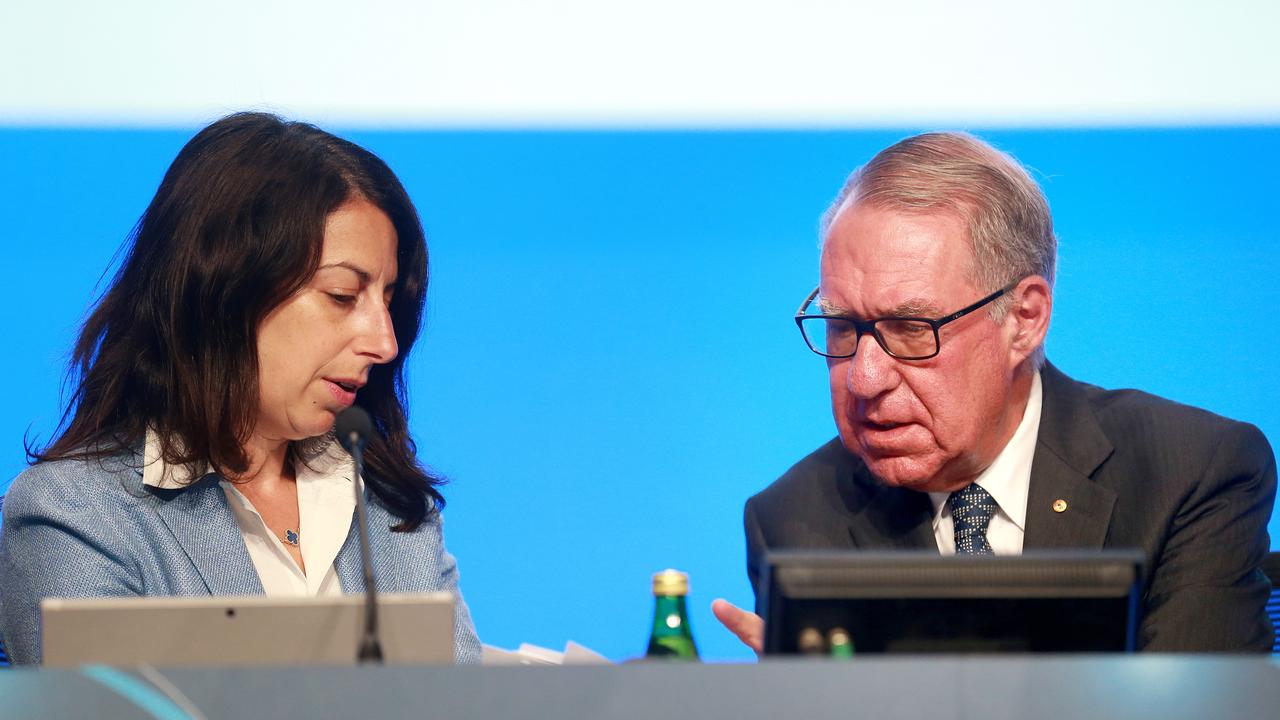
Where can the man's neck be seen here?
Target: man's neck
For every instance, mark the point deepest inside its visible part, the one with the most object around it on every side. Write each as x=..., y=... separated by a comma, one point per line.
x=1015, y=406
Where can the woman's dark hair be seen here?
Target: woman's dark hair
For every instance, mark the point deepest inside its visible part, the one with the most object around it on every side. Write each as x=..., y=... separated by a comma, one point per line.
x=237, y=227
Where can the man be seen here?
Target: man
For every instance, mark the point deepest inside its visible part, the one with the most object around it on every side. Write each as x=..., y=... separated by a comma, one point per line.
x=936, y=288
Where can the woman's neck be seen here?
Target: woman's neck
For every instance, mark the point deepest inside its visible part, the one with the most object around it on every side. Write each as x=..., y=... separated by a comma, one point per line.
x=268, y=461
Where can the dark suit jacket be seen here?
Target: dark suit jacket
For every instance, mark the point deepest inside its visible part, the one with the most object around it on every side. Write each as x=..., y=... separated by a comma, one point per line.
x=1192, y=490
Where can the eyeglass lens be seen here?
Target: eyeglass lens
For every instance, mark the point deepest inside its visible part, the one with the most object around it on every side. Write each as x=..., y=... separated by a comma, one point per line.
x=901, y=338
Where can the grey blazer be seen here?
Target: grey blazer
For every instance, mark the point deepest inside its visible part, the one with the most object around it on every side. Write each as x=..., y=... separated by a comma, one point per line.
x=75, y=528
x=1192, y=490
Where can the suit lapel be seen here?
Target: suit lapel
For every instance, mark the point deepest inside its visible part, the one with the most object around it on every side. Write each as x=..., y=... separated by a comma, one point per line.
x=1065, y=506
x=204, y=526
x=887, y=518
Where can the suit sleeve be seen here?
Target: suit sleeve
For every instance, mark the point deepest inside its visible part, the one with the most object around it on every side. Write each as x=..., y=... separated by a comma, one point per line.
x=1208, y=592
x=57, y=541
x=756, y=548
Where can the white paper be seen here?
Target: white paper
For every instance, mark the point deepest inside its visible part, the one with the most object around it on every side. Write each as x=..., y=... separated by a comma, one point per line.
x=575, y=654
x=527, y=654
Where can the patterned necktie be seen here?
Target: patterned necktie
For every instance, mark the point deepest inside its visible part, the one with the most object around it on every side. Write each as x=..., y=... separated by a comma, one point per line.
x=971, y=511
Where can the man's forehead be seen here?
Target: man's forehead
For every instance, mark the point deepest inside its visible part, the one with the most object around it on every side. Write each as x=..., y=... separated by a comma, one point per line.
x=912, y=306
x=885, y=262
x=947, y=225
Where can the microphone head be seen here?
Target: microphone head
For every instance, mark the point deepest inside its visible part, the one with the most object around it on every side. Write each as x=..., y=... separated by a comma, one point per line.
x=354, y=427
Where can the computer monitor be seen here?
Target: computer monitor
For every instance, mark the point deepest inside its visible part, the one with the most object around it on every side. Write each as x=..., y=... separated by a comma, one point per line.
x=922, y=602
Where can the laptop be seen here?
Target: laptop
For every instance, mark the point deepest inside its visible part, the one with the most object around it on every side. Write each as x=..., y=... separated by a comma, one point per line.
x=252, y=630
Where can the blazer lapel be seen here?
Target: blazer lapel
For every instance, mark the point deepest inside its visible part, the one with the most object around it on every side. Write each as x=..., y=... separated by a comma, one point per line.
x=347, y=563
x=1066, y=508
x=383, y=554
x=204, y=526
x=888, y=518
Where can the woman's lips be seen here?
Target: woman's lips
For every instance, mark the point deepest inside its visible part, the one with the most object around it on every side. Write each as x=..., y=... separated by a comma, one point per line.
x=345, y=397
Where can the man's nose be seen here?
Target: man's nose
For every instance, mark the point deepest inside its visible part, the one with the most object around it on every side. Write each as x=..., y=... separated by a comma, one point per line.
x=872, y=372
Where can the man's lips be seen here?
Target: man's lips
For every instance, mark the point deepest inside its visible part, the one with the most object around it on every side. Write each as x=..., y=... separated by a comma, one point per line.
x=884, y=434
x=879, y=425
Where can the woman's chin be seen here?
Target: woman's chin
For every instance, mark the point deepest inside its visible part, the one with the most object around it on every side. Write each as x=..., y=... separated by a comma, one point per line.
x=314, y=425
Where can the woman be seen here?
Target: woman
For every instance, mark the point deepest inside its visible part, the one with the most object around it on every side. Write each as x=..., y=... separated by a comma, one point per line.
x=277, y=277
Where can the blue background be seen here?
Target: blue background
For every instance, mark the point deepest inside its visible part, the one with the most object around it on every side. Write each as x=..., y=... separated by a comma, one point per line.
x=609, y=366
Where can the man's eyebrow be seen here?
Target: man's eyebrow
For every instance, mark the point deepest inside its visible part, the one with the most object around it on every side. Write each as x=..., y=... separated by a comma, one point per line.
x=913, y=307
x=829, y=308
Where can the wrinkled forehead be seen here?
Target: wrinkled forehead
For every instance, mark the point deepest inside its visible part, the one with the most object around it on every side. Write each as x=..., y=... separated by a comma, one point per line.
x=958, y=211
x=877, y=258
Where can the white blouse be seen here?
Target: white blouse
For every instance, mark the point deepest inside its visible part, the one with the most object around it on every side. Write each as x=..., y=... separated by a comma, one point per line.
x=326, y=508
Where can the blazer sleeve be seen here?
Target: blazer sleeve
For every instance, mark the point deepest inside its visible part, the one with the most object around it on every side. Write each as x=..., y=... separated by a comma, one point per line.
x=1207, y=592
x=58, y=540
x=466, y=644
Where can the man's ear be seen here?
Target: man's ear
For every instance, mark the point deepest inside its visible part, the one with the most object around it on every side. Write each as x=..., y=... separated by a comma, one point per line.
x=1030, y=306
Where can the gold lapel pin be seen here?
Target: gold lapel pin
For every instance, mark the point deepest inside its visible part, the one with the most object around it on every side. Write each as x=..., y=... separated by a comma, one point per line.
x=1059, y=505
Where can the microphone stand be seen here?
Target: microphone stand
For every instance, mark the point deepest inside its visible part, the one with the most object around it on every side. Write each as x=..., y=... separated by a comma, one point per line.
x=370, y=647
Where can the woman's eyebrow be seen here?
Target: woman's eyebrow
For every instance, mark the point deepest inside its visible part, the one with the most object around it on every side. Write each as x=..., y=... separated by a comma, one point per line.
x=364, y=275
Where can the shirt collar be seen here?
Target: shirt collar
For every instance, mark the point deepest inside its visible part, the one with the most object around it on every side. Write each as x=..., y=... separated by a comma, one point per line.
x=1008, y=477
x=157, y=473
x=322, y=457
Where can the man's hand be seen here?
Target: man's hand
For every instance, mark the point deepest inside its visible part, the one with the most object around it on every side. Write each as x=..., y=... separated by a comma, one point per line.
x=746, y=625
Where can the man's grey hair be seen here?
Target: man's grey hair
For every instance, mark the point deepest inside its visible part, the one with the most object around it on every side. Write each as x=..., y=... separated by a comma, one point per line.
x=1010, y=228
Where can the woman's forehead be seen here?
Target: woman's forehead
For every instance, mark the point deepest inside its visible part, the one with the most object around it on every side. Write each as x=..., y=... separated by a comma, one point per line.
x=359, y=237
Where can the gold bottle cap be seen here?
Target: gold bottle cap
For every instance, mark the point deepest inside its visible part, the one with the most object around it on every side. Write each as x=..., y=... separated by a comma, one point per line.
x=670, y=582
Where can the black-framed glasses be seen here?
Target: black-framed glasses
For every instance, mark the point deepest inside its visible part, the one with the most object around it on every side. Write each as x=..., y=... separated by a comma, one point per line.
x=905, y=338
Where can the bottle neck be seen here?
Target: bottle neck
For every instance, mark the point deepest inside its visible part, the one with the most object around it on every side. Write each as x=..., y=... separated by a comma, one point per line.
x=671, y=637
x=670, y=615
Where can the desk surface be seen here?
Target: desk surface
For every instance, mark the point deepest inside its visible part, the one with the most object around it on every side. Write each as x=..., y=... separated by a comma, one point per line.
x=936, y=688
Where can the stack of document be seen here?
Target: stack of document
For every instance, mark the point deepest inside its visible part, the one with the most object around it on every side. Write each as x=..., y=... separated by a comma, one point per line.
x=526, y=654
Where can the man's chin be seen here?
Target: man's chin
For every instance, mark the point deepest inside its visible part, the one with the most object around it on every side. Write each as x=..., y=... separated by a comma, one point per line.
x=906, y=471
x=907, y=463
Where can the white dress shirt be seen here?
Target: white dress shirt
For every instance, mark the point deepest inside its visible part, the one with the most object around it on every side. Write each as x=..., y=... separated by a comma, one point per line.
x=1007, y=479
x=326, y=506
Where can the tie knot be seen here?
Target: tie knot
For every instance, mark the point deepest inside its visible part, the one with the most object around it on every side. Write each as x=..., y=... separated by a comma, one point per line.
x=971, y=511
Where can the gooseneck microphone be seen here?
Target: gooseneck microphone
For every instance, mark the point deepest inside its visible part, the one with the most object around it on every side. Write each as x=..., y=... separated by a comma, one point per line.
x=354, y=428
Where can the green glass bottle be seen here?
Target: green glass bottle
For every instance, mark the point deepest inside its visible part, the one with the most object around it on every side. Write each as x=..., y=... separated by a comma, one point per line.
x=671, y=637
x=840, y=643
